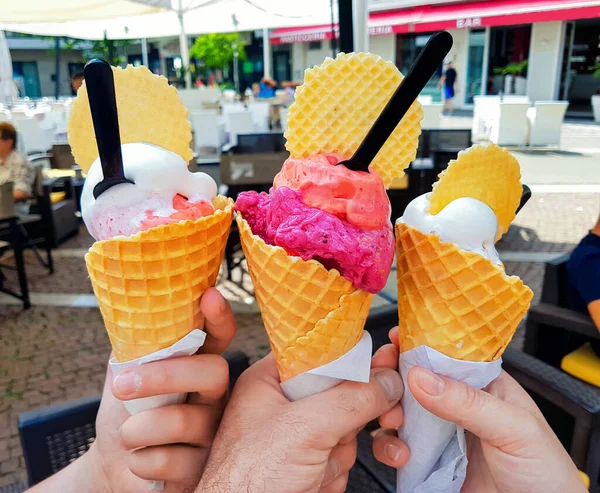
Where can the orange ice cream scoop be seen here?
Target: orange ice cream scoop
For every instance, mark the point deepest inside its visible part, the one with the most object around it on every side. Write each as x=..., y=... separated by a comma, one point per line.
x=184, y=211
x=353, y=196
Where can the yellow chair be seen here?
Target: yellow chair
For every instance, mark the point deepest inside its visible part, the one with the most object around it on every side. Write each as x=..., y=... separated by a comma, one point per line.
x=583, y=364
x=57, y=197
x=586, y=479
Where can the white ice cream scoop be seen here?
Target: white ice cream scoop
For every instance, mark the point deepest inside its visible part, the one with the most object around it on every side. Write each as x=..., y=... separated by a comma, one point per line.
x=158, y=176
x=467, y=222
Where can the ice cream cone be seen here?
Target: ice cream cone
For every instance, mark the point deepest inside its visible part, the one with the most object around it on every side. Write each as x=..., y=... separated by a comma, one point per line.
x=312, y=315
x=149, y=285
x=455, y=301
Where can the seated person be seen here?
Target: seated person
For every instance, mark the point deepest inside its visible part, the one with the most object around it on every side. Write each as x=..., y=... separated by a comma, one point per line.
x=15, y=168
x=77, y=80
x=267, y=88
x=583, y=271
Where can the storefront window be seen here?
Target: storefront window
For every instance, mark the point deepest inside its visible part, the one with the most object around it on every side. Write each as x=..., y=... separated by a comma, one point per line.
x=582, y=51
x=509, y=51
x=475, y=64
x=408, y=47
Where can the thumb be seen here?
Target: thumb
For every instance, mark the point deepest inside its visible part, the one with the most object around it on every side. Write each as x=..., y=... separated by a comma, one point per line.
x=351, y=405
x=497, y=422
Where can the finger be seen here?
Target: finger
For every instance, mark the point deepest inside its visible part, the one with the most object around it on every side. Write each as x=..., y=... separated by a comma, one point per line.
x=183, y=423
x=385, y=357
x=336, y=412
x=179, y=463
x=484, y=415
x=393, y=418
x=219, y=323
x=341, y=460
x=394, y=336
x=507, y=389
x=347, y=438
x=207, y=374
x=389, y=449
x=338, y=485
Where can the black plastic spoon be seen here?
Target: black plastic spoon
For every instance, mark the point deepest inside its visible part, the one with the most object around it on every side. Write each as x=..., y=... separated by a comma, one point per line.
x=420, y=72
x=100, y=85
x=525, y=196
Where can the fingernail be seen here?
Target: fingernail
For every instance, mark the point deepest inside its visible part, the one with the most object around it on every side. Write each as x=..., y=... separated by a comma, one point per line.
x=391, y=383
x=331, y=471
x=127, y=382
x=429, y=382
x=393, y=452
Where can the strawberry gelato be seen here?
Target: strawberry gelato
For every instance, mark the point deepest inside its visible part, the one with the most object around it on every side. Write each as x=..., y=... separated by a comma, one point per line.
x=327, y=213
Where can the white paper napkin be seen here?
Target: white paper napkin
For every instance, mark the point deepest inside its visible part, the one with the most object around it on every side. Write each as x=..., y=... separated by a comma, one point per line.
x=438, y=452
x=183, y=347
x=355, y=366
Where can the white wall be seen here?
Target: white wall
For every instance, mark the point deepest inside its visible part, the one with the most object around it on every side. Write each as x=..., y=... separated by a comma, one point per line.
x=303, y=58
x=459, y=55
x=384, y=46
x=545, y=51
x=46, y=63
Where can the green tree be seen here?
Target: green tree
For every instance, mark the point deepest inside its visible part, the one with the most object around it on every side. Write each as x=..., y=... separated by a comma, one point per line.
x=216, y=50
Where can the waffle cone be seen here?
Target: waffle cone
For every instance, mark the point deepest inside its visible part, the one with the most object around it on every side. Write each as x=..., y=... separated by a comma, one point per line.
x=312, y=315
x=149, y=285
x=455, y=301
x=339, y=102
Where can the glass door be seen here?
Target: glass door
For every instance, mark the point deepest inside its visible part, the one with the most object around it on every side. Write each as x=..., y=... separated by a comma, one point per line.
x=475, y=64
x=566, y=73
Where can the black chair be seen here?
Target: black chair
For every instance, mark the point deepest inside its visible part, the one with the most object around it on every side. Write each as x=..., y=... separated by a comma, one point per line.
x=53, y=437
x=552, y=329
x=571, y=407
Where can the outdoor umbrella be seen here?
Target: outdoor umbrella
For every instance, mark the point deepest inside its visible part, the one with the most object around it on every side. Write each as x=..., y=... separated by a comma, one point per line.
x=8, y=90
x=170, y=18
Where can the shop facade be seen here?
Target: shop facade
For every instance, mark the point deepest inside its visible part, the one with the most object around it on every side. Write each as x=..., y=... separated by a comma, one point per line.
x=542, y=49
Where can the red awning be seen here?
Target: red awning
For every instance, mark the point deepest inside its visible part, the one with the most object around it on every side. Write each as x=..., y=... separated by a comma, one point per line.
x=430, y=18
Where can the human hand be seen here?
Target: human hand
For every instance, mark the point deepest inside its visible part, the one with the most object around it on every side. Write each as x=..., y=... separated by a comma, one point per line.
x=266, y=443
x=511, y=448
x=169, y=443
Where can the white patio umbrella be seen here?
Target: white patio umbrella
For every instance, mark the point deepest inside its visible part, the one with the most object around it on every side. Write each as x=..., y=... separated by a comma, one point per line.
x=8, y=89
x=183, y=18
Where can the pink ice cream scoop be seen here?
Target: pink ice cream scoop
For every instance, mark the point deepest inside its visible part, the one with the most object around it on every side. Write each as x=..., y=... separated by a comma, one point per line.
x=364, y=257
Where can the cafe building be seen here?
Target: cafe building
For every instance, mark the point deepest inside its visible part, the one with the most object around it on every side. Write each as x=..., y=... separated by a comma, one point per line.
x=542, y=49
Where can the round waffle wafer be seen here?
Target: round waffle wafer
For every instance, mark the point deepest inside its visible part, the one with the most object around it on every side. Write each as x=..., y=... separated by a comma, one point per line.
x=338, y=104
x=149, y=111
x=486, y=173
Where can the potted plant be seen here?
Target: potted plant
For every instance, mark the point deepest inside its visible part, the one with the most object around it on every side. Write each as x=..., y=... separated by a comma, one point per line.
x=596, y=97
x=514, y=80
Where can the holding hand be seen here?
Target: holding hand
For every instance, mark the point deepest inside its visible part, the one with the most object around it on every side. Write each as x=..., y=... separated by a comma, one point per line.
x=170, y=443
x=267, y=444
x=511, y=447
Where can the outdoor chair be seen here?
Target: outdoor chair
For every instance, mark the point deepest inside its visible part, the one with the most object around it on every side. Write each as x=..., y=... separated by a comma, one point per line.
x=238, y=122
x=432, y=113
x=553, y=330
x=571, y=407
x=32, y=136
x=510, y=128
x=209, y=135
x=486, y=111
x=260, y=112
x=545, y=122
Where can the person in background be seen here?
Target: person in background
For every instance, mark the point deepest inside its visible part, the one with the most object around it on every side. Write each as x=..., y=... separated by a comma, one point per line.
x=583, y=271
x=267, y=88
x=77, y=80
x=448, y=80
x=15, y=168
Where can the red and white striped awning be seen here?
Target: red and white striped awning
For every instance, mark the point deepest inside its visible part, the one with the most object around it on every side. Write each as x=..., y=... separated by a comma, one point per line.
x=430, y=18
